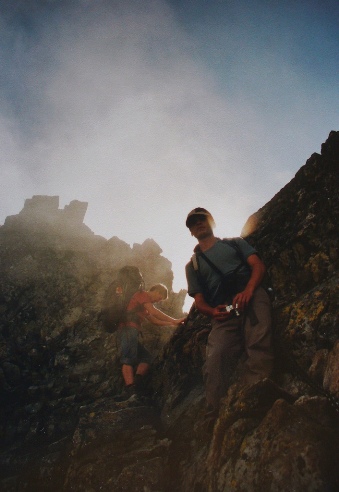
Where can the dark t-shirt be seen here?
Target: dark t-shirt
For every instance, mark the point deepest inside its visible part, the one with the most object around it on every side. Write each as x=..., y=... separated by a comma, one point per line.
x=227, y=259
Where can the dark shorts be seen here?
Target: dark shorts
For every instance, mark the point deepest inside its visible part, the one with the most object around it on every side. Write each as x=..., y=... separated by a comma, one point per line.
x=131, y=351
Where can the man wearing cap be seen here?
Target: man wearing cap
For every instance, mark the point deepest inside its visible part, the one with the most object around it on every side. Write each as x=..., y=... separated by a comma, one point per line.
x=224, y=273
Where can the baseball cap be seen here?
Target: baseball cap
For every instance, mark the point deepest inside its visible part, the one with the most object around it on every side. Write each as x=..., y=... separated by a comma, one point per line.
x=199, y=211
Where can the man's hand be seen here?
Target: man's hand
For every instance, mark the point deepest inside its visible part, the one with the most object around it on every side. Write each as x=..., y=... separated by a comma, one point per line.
x=242, y=299
x=220, y=313
x=257, y=273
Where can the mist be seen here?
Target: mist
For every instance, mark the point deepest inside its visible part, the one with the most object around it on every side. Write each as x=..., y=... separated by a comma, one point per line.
x=146, y=110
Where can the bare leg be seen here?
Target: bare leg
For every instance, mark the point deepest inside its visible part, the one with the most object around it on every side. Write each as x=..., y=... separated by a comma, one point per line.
x=143, y=368
x=127, y=374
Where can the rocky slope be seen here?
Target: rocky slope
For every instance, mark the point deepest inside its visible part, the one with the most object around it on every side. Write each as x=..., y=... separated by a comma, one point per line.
x=55, y=356
x=61, y=429
x=280, y=435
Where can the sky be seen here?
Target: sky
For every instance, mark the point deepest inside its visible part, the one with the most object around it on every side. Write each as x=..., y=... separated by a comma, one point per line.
x=148, y=109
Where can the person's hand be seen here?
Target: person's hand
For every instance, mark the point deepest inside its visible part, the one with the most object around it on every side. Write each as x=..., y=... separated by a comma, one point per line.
x=242, y=299
x=219, y=313
x=175, y=322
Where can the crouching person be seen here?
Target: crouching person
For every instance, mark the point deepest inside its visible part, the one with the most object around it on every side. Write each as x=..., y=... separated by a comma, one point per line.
x=134, y=357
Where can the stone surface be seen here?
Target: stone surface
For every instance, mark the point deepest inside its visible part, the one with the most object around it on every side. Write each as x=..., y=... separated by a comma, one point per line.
x=116, y=446
x=55, y=356
x=60, y=426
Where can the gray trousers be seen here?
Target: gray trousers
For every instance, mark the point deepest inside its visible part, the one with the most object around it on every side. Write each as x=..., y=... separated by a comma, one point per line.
x=230, y=339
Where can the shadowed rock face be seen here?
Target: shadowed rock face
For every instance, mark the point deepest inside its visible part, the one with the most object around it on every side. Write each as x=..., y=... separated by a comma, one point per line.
x=55, y=356
x=282, y=435
x=61, y=428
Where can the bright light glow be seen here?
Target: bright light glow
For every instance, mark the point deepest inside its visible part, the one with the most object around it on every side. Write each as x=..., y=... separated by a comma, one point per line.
x=148, y=109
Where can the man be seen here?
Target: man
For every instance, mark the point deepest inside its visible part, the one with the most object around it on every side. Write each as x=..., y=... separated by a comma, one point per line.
x=247, y=328
x=132, y=353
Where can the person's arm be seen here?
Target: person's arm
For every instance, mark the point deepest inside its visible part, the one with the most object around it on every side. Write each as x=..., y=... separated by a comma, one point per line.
x=158, y=322
x=202, y=306
x=160, y=316
x=217, y=312
x=258, y=270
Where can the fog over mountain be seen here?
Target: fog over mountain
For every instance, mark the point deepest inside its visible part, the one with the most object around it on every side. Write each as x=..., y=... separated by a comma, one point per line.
x=146, y=110
x=62, y=427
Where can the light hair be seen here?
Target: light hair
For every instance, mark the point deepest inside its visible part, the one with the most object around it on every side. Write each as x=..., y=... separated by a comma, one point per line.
x=161, y=288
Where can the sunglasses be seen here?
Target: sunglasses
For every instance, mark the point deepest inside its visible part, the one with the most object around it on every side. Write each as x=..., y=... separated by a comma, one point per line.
x=192, y=221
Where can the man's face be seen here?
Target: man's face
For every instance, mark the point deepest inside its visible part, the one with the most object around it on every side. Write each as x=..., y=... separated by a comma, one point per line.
x=200, y=227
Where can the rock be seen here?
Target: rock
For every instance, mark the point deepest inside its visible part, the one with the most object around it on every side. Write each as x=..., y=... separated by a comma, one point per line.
x=62, y=430
x=54, y=354
x=117, y=447
x=331, y=377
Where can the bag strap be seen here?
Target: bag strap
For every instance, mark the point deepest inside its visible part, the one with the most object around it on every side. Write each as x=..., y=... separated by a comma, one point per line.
x=202, y=281
x=229, y=242
x=211, y=264
x=233, y=244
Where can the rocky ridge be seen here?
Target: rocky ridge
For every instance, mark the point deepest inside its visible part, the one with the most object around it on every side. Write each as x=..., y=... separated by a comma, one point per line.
x=55, y=356
x=280, y=435
x=61, y=428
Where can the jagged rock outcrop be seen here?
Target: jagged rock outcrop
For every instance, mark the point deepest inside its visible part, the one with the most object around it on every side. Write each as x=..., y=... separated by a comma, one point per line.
x=43, y=211
x=64, y=431
x=282, y=435
x=55, y=356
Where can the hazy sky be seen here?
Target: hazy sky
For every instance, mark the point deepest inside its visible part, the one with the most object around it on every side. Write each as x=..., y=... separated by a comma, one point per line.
x=146, y=109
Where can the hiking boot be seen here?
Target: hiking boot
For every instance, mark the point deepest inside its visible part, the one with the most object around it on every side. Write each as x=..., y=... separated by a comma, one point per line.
x=139, y=383
x=128, y=393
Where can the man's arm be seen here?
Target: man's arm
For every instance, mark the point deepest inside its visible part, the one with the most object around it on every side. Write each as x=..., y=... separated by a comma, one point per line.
x=160, y=316
x=202, y=306
x=258, y=270
x=217, y=312
x=159, y=322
